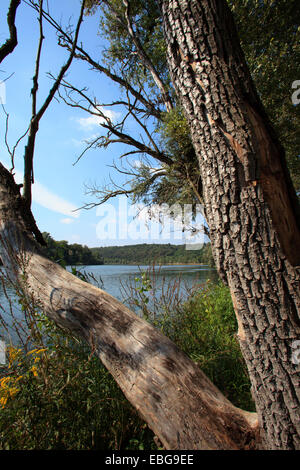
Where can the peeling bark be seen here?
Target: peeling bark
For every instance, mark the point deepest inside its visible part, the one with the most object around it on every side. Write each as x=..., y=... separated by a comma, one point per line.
x=250, y=204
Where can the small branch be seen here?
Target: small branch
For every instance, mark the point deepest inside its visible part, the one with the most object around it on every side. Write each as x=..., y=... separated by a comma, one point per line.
x=145, y=59
x=131, y=111
x=88, y=147
x=13, y=151
x=94, y=108
x=12, y=41
x=106, y=196
x=142, y=147
x=136, y=182
x=93, y=103
x=37, y=63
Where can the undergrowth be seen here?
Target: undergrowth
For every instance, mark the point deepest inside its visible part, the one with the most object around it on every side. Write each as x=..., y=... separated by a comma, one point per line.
x=56, y=394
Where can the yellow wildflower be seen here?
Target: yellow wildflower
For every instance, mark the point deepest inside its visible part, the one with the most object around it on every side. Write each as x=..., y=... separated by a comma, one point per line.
x=3, y=401
x=8, y=389
x=4, y=381
x=13, y=391
x=37, y=351
x=13, y=355
x=34, y=371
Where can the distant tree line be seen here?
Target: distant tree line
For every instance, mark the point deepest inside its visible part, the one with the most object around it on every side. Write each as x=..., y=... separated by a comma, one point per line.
x=69, y=254
x=154, y=253
x=75, y=254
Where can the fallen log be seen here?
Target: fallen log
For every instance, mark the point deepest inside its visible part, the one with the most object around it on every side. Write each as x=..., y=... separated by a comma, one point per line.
x=175, y=398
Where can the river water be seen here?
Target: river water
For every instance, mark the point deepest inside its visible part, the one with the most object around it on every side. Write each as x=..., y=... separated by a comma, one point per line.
x=118, y=281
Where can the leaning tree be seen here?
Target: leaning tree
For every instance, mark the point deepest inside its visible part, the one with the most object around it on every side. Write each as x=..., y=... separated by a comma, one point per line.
x=251, y=210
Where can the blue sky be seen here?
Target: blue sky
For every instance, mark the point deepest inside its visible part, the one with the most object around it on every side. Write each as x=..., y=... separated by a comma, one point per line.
x=59, y=187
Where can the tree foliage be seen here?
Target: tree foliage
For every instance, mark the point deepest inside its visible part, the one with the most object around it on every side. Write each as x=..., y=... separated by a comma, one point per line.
x=147, y=254
x=136, y=53
x=69, y=254
x=142, y=254
x=269, y=35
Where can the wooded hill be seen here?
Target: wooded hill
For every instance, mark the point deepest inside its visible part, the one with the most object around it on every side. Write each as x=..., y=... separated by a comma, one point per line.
x=69, y=254
x=150, y=253
x=75, y=254
x=143, y=254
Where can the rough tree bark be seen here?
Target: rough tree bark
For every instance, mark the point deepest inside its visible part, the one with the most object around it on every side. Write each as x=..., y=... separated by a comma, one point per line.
x=250, y=205
x=183, y=408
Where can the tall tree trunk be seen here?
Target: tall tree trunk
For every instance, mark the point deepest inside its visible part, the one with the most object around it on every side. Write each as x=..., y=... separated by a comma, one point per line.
x=179, y=403
x=250, y=204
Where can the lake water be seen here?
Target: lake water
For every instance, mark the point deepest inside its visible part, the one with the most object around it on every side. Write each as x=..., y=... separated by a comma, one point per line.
x=113, y=277
x=118, y=279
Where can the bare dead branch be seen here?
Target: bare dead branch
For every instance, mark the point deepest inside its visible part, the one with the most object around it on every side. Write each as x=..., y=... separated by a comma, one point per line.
x=131, y=109
x=160, y=156
x=12, y=41
x=113, y=190
x=37, y=115
x=66, y=41
x=94, y=108
x=35, y=79
x=145, y=58
x=13, y=151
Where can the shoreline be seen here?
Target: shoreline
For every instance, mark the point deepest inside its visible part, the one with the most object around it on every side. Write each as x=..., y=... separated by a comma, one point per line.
x=140, y=264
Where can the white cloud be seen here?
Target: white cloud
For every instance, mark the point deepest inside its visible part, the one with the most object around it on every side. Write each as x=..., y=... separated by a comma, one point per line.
x=76, y=142
x=67, y=221
x=94, y=121
x=41, y=195
x=46, y=198
x=90, y=121
x=137, y=163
